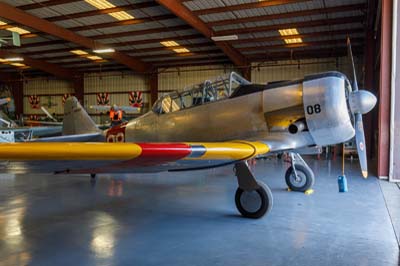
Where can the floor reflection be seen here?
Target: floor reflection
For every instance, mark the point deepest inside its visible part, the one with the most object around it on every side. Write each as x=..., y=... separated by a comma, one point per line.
x=12, y=233
x=103, y=236
x=115, y=187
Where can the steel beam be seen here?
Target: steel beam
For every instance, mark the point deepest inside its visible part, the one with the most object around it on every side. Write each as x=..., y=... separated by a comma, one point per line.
x=184, y=13
x=42, y=65
x=79, y=89
x=9, y=12
x=259, y=4
x=346, y=32
x=311, y=53
x=102, y=11
x=304, y=24
x=153, y=82
x=301, y=45
x=302, y=13
x=46, y=4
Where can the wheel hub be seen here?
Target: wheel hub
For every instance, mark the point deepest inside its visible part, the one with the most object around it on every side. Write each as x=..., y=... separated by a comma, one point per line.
x=251, y=201
x=298, y=180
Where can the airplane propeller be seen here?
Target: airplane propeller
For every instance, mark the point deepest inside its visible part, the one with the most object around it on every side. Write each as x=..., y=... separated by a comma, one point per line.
x=361, y=102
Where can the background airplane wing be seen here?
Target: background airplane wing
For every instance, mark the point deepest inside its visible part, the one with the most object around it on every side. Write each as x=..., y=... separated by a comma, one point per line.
x=38, y=131
x=85, y=157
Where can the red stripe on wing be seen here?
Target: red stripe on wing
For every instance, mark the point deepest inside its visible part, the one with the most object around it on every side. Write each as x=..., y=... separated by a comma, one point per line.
x=155, y=154
x=152, y=155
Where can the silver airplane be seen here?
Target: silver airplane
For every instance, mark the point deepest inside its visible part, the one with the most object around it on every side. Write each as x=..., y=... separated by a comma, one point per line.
x=228, y=121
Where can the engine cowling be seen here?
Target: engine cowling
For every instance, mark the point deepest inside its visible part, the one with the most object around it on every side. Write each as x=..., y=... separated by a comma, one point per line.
x=325, y=108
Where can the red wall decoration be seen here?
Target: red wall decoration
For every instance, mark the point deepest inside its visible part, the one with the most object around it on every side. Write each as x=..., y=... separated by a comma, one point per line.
x=103, y=98
x=34, y=101
x=136, y=99
x=65, y=97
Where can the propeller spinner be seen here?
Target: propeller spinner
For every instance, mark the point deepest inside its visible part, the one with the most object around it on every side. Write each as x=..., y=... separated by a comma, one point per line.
x=360, y=102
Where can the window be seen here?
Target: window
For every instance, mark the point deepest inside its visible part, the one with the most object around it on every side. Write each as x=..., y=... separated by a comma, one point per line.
x=187, y=100
x=176, y=103
x=197, y=96
x=166, y=105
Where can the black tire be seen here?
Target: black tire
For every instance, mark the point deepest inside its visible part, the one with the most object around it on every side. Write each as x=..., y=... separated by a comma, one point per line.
x=262, y=194
x=305, y=175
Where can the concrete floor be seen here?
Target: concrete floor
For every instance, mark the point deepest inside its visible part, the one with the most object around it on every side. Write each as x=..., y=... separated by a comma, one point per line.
x=190, y=219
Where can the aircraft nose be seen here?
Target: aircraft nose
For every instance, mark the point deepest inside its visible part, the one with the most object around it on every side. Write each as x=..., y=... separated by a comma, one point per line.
x=362, y=101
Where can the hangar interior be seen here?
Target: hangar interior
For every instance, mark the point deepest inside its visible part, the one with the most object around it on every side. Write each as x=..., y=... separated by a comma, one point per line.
x=130, y=53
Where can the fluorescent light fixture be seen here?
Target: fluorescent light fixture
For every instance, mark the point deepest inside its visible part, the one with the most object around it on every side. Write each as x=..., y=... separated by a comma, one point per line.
x=100, y=4
x=286, y=32
x=14, y=29
x=293, y=40
x=79, y=52
x=104, y=4
x=94, y=57
x=181, y=50
x=224, y=38
x=14, y=59
x=18, y=30
x=121, y=15
x=18, y=64
x=103, y=51
x=169, y=43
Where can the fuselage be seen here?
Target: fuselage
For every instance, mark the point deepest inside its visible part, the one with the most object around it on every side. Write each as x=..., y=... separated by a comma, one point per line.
x=249, y=112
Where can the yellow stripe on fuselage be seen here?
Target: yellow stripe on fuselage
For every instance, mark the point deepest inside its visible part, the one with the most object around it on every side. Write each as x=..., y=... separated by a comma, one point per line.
x=69, y=151
x=234, y=150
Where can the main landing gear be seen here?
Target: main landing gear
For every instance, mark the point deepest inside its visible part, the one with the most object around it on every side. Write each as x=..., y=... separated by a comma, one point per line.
x=253, y=198
x=299, y=176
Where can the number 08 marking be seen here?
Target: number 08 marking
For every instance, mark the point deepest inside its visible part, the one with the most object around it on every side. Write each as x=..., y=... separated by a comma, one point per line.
x=313, y=109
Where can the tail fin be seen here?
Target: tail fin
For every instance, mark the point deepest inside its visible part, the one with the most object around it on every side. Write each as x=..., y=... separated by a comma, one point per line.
x=76, y=119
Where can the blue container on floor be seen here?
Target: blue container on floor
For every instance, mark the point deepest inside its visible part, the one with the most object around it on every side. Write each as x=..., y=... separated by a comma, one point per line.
x=342, y=182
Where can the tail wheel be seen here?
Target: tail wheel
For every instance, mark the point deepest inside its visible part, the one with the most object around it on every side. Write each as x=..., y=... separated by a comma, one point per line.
x=254, y=203
x=304, y=179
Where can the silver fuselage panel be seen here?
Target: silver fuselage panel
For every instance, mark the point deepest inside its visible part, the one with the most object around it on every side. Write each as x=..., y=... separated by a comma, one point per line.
x=265, y=115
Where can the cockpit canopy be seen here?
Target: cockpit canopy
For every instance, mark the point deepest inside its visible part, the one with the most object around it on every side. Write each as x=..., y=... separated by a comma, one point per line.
x=199, y=94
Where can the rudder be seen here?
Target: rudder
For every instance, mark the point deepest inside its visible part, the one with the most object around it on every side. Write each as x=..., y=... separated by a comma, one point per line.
x=76, y=119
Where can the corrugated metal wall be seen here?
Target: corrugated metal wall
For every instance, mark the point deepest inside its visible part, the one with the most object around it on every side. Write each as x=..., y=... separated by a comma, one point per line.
x=117, y=85
x=178, y=79
x=49, y=91
x=291, y=69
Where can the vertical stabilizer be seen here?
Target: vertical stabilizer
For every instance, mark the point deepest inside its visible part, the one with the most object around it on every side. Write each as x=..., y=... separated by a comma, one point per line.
x=76, y=119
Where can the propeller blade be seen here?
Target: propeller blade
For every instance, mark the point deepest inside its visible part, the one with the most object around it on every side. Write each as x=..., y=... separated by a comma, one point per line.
x=360, y=141
x=350, y=55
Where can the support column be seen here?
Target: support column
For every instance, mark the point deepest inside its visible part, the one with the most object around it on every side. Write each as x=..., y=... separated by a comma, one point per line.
x=384, y=90
x=18, y=95
x=153, y=88
x=79, y=90
x=246, y=73
x=17, y=90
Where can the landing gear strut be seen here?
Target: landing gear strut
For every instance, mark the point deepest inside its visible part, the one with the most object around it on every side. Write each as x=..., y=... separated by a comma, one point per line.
x=253, y=198
x=93, y=179
x=299, y=176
